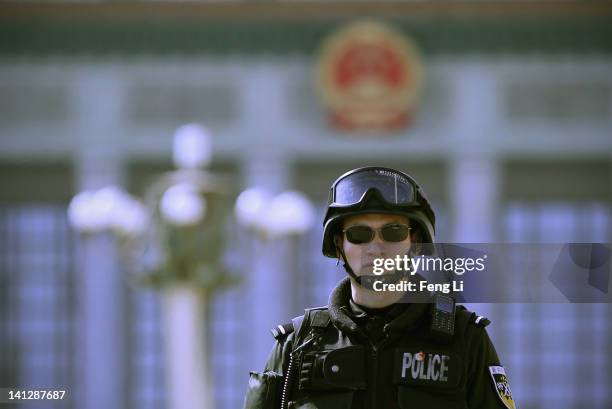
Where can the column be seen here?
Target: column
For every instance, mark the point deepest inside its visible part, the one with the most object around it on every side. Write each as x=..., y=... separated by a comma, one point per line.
x=269, y=272
x=474, y=168
x=269, y=294
x=101, y=364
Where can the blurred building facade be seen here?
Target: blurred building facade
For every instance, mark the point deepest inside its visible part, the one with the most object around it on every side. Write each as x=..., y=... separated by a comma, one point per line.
x=512, y=141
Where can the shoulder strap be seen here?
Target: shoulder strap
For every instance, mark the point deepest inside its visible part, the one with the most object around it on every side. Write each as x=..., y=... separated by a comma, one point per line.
x=463, y=318
x=297, y=323
x=466, y=318
x=320, y=319
x=282, y=330
x=481, y=320
x=314, y=320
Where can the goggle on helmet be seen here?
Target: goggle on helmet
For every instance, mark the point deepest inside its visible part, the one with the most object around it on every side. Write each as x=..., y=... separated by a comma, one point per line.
x=376, y=190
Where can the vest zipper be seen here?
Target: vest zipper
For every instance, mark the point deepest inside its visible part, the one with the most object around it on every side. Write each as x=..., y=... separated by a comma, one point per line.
x=294, y=362
x=287, y=384
x=373, y=403
x=375, y=348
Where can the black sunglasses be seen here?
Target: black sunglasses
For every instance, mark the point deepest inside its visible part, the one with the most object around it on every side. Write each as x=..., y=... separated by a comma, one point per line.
x=392, y=233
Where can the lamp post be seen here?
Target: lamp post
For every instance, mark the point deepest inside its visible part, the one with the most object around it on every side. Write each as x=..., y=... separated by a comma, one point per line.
x=277, y=222
x=173, y=240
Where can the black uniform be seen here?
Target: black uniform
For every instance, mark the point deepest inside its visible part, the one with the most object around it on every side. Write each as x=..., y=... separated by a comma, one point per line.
x=345, y=356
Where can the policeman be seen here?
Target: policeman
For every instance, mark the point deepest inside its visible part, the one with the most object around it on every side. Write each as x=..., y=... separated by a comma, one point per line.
x=369, y=349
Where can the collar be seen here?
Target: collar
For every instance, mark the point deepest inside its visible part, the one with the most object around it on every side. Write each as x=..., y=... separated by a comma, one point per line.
x=346, y=314
x=388, y=312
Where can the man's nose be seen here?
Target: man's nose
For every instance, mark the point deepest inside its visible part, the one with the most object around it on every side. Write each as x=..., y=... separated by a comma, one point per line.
x=375, y=247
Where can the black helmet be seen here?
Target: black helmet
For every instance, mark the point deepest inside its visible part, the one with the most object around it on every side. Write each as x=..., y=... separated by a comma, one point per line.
x=375, y=189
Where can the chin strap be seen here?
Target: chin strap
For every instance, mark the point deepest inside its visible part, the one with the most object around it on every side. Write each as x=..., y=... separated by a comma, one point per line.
x=346, y=266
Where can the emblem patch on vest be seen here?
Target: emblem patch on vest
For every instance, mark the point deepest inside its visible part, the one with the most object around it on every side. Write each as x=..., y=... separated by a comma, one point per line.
x=424, y=367
x=502, y=386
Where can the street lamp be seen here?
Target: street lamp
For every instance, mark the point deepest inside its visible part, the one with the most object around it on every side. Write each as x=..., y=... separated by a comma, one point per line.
x=173, y=240
x=289, y=213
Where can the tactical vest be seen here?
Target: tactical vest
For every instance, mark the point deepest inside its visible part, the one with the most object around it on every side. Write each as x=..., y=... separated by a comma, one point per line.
x=329, y=369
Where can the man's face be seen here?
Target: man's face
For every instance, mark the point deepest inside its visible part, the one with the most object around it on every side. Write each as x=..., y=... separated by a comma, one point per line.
x=361, y=256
